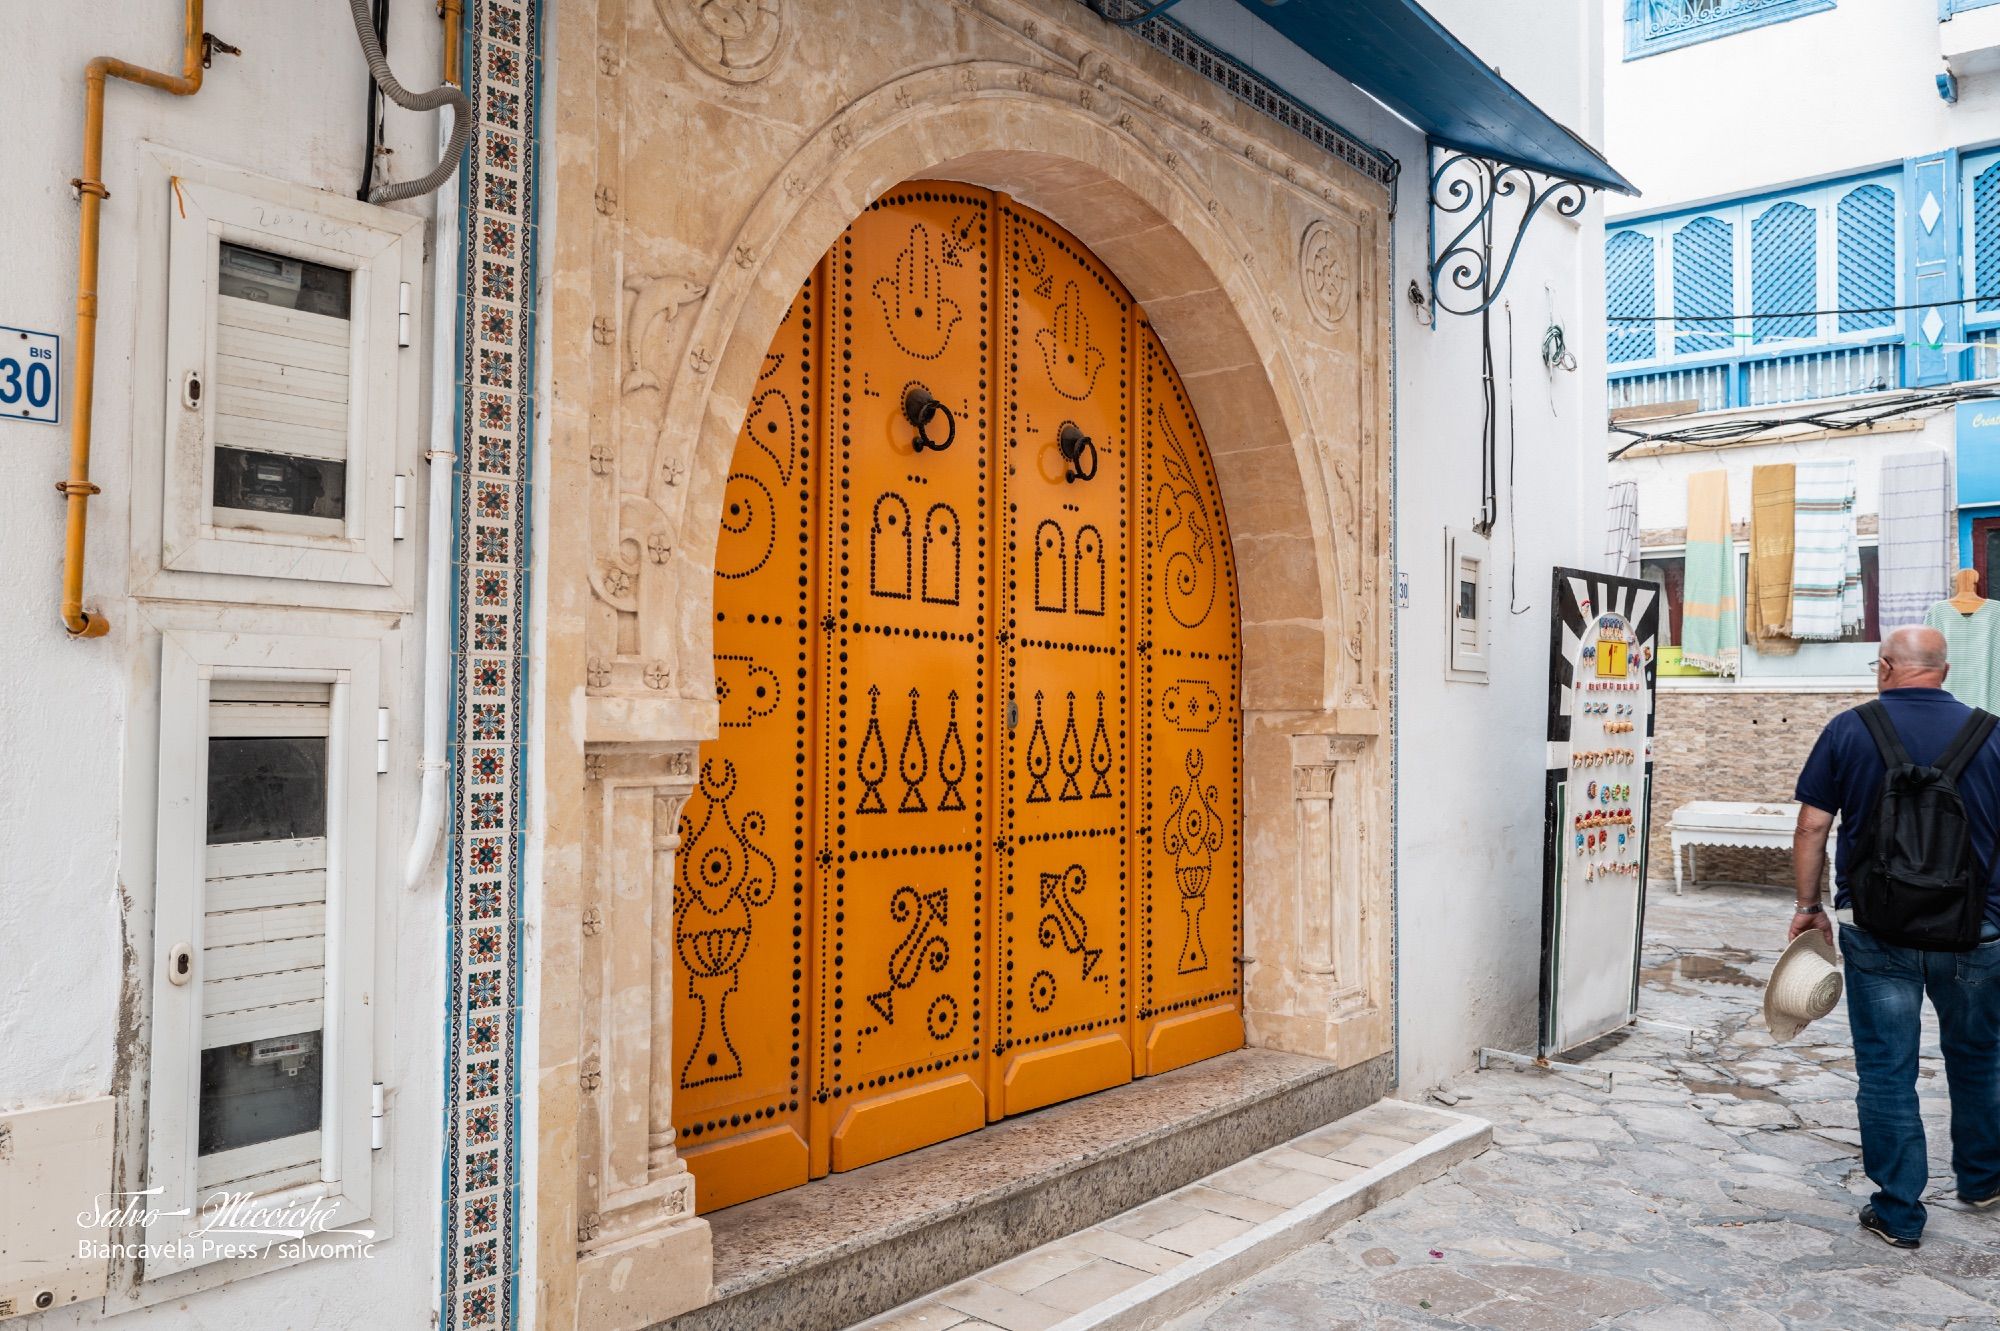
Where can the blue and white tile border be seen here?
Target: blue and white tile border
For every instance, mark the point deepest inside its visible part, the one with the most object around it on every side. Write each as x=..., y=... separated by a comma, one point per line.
x=479, y=1276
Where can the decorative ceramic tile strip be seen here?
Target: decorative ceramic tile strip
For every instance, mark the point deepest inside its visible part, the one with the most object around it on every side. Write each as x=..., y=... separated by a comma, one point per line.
x=496, y=286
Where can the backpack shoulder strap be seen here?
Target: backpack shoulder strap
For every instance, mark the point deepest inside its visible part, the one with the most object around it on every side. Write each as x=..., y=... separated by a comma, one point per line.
x=1966, y=745
x=1890, y=745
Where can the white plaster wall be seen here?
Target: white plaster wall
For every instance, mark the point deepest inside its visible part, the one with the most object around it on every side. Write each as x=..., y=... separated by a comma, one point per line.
x=1663, y=479
x=291, y=108
x=1838, y=91
x=1469, y=789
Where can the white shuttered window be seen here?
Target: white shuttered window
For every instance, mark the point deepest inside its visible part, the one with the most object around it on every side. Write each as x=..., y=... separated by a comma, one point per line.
x=263, y=1058
x=285, y=369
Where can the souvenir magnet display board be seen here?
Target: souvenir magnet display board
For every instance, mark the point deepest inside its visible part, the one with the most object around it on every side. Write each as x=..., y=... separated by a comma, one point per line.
x=1602, y=645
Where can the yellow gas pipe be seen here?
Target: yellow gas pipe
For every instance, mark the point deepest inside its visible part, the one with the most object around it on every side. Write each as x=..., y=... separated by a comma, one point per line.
x=453, y=14
x=76, y=491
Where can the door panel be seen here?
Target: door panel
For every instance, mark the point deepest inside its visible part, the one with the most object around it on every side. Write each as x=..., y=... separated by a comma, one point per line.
x=1063, y=967
x=1189, y=748
x=969, y=839
x=743, y=881
x=903, y=760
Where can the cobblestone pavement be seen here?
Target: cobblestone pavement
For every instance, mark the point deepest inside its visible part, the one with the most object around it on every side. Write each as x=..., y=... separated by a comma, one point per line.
x=1714, y=1188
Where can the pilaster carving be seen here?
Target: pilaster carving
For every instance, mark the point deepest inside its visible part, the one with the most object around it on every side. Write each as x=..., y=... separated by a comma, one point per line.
x=632, y=1175
x=1332, y=926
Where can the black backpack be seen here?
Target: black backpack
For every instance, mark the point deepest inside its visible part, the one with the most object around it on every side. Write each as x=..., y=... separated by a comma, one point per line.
x=1921, y=886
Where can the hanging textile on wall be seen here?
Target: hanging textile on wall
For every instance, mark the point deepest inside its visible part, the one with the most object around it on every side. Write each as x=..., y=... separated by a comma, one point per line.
x=1621, y=530
x=1916, y=535
x=1826, y=567
x=1971, y=643
x=1767, y=591
x=1711, y=622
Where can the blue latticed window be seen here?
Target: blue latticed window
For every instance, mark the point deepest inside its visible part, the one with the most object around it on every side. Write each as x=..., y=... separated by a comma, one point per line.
x=1946, y=8
x=1986, y=239
x=1784, y=271
x=1653, y=26
x=1704, y=285
x=1788, y=296
x=1865, y=251
x=1629, y=292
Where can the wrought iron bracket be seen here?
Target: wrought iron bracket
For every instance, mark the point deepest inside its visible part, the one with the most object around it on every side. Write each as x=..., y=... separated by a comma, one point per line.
x=1467, y=219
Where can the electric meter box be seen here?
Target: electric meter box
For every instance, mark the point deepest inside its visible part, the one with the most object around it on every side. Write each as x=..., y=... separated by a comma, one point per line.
x=55, y=1184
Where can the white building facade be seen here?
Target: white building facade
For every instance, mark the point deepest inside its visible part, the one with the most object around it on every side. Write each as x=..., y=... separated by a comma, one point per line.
x=1819, y=229
x=301, y=847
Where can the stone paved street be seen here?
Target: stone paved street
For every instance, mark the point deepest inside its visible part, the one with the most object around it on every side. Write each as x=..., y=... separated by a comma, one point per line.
x=1715, y=1187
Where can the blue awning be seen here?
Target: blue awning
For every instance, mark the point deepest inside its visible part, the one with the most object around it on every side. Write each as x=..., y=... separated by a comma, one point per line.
x=1407, y=60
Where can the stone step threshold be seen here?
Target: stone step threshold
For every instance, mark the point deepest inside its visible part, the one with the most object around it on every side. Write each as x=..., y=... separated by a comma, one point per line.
x=823, y=1256
x=1143, y=1267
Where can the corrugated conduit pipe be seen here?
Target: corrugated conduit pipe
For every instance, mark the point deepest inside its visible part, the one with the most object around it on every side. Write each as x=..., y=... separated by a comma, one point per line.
x=442, y=95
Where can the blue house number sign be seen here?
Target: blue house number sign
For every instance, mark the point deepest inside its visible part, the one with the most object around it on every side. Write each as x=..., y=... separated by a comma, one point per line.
x=30, y=375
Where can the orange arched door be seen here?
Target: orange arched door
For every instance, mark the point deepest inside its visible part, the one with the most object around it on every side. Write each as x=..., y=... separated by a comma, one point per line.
x=969, y=840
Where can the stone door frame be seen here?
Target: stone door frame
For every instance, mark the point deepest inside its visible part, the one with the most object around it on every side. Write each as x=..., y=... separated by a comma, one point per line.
x=1275, y=309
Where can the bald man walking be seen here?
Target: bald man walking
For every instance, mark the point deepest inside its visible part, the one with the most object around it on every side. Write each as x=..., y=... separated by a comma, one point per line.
x=1887, y=983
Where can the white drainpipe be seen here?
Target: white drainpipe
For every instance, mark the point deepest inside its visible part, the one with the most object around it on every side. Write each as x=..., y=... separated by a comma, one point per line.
x=438, y=533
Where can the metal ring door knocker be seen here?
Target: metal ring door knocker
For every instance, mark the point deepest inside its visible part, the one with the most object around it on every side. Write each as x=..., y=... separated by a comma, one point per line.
x=920, y=409
x=1074, y=443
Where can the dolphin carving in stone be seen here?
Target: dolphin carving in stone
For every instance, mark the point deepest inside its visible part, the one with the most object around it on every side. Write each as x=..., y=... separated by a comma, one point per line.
x=653, y=298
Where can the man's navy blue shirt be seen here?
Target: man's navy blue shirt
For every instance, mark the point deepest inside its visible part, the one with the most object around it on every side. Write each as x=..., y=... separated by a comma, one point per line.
x=1844, y=776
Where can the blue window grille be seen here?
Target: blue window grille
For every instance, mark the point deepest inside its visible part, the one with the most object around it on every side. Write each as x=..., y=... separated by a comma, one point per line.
x=1782, y=297
x=1704, y=255
x=1946, y=8
x=1986, y=239
x=1784, y=272
x=1629, y=292
x=1653, y=26
x=1866, y=258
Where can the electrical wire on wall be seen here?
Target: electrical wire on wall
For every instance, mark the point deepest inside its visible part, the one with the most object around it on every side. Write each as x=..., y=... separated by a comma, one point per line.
x=1989, y=298
x=369, y=30
x=1489, y=427
x=379, y=20
x=1513, y=440
x=1556, y=354
x=1720, y=434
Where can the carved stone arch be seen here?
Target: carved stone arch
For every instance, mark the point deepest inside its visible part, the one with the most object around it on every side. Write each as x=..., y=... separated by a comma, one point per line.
x=1152, y=224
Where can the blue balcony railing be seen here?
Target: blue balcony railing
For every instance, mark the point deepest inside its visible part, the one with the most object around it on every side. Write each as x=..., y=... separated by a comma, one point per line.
x=1768, y=379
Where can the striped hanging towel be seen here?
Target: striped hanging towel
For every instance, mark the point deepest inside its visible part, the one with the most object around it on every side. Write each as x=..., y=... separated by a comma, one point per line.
x=1826, y=565
x=1711, y=622
x=1916, y=535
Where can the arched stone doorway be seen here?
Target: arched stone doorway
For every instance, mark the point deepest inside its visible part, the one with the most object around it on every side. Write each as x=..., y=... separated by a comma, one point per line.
x=969, y=841
x=1263, y=272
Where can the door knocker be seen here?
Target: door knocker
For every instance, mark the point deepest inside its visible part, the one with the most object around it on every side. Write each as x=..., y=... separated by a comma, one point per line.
x=1074, y=443
x=920, y=409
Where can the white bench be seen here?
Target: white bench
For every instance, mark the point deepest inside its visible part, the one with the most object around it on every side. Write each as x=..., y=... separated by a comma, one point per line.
x=1719, y=823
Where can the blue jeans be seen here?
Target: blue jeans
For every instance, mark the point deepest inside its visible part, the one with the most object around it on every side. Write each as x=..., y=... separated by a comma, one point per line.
x=1885, y=998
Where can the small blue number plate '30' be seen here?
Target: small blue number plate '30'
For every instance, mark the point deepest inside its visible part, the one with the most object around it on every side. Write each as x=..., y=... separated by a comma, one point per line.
x=30, y=375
